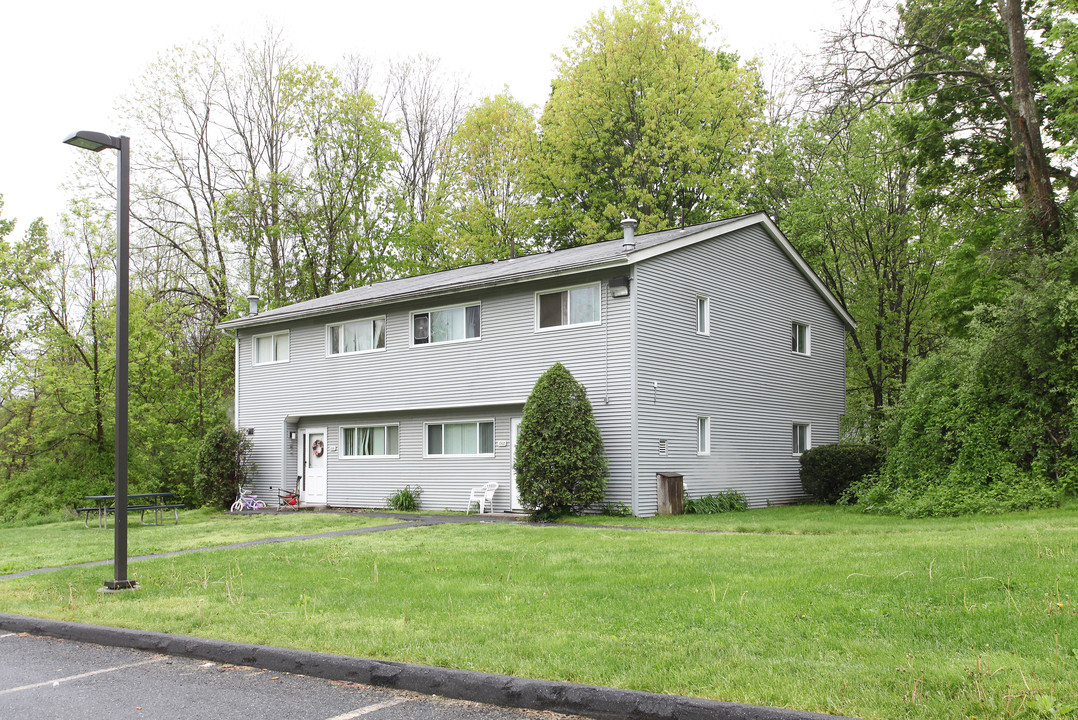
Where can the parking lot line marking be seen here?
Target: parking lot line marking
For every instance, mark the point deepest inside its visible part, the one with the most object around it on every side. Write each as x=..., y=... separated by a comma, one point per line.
x=369, y=709
x=57, y=681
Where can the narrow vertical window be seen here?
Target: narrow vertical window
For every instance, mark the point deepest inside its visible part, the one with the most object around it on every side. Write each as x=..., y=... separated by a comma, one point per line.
x=802, y=438
x=800, y=338
x=703, y=435
x=703, y=315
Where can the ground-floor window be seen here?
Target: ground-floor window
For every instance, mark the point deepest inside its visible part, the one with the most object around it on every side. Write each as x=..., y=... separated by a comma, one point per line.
x=369, y=441
x=703, y=435
x=802, y=437
x=461, y=438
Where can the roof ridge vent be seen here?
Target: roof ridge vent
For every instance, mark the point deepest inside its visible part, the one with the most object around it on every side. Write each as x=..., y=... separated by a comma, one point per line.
x=628, y=242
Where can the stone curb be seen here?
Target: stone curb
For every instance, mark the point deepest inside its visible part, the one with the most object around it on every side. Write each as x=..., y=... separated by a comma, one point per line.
x=503, y=690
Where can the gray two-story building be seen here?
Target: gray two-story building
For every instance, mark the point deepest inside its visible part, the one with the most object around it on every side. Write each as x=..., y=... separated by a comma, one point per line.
x=710, y=351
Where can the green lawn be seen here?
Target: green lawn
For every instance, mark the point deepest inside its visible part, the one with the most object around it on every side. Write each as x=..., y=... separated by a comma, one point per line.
x=918, y=619
x=24, y=548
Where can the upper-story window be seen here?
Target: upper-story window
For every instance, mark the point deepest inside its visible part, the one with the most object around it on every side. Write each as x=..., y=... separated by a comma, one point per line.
x=356, y=336
x=446, y=325
x=801, y=338
x=573, y=306
x=703, y=315
x=271, y=348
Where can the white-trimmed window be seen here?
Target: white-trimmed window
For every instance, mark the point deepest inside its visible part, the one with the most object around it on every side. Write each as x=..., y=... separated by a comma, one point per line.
x=271, y=348
x=703, y=435
x=356, y=336
x=703, y=315
x=450, y=324
x=461, y=438
x=571, y=306
x=801, y=338
x=802, y=437
x=370, y=441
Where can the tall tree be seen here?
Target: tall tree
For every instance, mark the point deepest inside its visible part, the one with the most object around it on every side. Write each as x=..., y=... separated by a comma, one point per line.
x=427, y=104
x=858, y=224
x=494, y=217
x=978, y=72
x=645, y=119
x=336, y=213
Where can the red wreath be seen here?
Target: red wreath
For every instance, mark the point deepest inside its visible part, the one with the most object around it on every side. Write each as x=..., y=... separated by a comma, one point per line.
x=317, y=447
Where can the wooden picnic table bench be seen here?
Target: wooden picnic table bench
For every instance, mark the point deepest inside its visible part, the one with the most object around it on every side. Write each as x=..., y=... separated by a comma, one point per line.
x=104, y=505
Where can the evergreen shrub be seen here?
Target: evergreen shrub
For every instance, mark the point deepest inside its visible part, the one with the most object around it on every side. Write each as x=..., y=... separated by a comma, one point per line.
x=560, y=461
x=828, y=470
x=223, y=466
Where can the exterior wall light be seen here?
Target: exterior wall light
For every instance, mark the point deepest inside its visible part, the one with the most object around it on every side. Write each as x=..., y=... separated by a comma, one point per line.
x=619, y=286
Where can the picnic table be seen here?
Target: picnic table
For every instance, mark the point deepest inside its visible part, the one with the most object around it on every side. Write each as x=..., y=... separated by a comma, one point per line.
x=158, y=503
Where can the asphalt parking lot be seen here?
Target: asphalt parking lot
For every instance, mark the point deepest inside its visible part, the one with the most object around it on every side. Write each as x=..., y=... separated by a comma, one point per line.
x=45, y=678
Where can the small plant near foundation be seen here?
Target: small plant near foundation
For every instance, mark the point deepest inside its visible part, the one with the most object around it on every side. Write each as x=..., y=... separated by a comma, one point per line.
x=616, y=509
x=406, y=499
x=725, y=501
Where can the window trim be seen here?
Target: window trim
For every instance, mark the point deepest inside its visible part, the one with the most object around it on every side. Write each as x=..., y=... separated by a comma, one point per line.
x=566, y=289
x=340, y=436
x=793, y=438
x=443, y=423
x=427, y=311
x=808, y=338
x=703, y=312
x=342, y=323
x=706, y=436
x=254, y=347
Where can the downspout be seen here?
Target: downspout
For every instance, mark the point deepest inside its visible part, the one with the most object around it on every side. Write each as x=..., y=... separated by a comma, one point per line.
x=634, y=423
x=628, y=225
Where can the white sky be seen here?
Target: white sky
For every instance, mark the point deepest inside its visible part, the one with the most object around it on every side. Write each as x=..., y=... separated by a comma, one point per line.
x=60, y=73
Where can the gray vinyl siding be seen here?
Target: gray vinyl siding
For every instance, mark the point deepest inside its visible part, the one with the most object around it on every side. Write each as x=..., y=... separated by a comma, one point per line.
x=488, y=378
x=743, y=375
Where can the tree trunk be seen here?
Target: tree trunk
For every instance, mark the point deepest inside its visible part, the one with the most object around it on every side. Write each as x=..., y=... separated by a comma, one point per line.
x=1031, y=168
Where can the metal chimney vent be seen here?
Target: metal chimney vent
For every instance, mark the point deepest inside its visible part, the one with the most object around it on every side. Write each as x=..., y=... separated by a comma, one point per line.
x=628, y=243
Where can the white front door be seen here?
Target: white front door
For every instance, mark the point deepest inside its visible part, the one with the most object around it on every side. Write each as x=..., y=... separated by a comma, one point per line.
x=313, y=489
x=514, y=495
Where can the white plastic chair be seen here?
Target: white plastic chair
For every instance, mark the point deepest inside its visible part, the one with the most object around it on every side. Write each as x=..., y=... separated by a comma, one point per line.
x=484, y=496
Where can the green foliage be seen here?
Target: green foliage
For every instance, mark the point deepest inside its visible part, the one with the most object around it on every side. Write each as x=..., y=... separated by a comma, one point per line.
x=991, y=423
x=616, y=509
x=560, y=462
x=645, y=119
x=720, y=502
x=223, y=466
x=406, y=499
x=857, y=223
x=495, y=214
x=828, y=470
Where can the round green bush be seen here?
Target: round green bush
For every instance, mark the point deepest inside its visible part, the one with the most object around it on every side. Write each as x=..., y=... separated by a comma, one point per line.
x=560, y=461
x=827, y=470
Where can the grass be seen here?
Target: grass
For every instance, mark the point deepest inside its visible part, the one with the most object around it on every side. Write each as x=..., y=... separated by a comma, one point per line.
x=913, y=619
x=64, y=543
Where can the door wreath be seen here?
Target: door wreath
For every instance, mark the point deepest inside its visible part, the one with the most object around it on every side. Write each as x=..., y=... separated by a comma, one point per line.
x=317, y=448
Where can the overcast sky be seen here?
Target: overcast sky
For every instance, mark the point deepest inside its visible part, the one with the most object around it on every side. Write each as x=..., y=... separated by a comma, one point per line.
x=60, y=72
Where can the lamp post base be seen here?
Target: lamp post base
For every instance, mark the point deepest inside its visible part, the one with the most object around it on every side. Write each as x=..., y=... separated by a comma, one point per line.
x=114, y=585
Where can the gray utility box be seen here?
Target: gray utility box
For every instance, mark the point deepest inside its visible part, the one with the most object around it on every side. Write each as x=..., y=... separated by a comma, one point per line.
x=670, y=494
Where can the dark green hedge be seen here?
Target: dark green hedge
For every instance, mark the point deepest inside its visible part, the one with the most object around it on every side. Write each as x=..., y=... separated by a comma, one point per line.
x=827, y=470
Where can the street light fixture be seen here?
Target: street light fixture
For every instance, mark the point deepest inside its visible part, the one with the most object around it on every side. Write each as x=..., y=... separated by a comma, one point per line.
x=95, y=141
